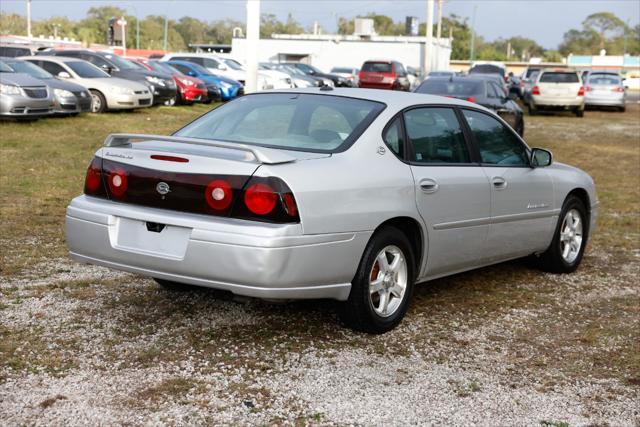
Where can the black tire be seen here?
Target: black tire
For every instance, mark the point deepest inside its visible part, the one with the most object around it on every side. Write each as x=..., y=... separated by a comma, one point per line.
x=622, y=109
x=551, y=260
x=358, y=311
x=579, y=112
x=174, y=286
x=98, y=97
x=532, y=110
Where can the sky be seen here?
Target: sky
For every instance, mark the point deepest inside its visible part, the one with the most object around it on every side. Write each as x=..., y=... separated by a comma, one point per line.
x=542, y=20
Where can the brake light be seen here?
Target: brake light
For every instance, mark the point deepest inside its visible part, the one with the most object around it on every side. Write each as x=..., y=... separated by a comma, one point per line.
x=618, y=89
x=218, y=195
x=471, y=99
x=169, y=158
x=93, y=180
x=535, y=90
x=260, y=199
x=581, y=91
x=118, y=182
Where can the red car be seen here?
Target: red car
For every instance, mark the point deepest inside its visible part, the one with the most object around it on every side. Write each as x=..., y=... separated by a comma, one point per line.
x=383, y=75
x=190, y=89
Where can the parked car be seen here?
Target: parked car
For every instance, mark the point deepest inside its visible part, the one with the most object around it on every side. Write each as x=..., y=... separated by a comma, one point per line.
x=516, y=85
x=445, y=73
x=228, y=88
x=529, y=71
x=489, y=67
x=383, y=74
x=12, y=51
x=349, y=73
x=190, y=89
x=161, y=85
x=298, y=78
x=605, y=90
x=69, y=98
x=261, y=203
x=22, y=96
x=481, y=91
x=559, y=89
x=494, y=78
x=328, y=78
x=275, y=79
x=107, y=92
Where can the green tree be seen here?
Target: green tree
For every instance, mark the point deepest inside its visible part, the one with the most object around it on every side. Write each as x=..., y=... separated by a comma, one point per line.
x=12, y=23
x=60, y=25
x=192, y=30
x=604, y=24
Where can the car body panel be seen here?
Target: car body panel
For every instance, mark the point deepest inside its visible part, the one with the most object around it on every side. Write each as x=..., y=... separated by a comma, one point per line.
x=339, y=211
x=605, y=89
x=34, y=100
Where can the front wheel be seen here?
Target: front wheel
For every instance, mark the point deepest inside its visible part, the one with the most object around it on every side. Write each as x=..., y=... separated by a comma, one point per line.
x=570, y=238
x=383, y=284
x=98, y=103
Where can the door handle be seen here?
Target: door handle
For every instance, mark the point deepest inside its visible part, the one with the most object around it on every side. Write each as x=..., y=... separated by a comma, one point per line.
x=499, y=183
x=428, y=185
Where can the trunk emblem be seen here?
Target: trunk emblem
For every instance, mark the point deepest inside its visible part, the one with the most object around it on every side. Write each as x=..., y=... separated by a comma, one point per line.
x=163, y=188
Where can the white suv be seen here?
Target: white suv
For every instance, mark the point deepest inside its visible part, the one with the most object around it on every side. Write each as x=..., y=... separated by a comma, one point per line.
x=557, y=90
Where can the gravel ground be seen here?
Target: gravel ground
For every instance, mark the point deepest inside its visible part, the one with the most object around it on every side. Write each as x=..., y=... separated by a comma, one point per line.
x=86, y=345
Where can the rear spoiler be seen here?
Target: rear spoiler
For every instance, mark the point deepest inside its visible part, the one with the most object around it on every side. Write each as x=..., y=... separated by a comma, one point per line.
x=253, y=154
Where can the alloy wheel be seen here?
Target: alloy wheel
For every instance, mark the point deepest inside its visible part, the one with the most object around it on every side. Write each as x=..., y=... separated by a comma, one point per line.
x=388, y=281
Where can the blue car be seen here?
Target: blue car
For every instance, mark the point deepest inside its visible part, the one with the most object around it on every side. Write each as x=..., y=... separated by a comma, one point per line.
x=229, y=88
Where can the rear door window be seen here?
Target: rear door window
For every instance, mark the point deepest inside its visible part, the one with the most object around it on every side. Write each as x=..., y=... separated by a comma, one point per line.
x=51, y=67
x=435, y=136
x=559, y=78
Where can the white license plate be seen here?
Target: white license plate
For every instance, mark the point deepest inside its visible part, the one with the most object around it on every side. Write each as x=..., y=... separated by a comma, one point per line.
x=133, y=235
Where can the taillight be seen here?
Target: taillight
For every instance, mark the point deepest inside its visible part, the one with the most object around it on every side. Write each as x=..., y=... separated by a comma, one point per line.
x=581, y=91
x=218, y=195
x=260, y=199
x=93, y=180
x=587, y=89
x=535, y=90
x=117, y=182
x=471, y=99
x=618, y=89
x=169, y=158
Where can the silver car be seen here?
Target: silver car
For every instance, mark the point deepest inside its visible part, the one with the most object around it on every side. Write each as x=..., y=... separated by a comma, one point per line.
x=107, y=93
x=605, y=90
x=330, y=193
x=22, y=96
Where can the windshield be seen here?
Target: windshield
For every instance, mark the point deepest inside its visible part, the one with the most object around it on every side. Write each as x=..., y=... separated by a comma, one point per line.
x=86, y=70
x=199, y=69
x=487, y=69
x=122, y=63
x=30, y=69
x=234, y=65
x=604, y=79
x=440, y=73
x=449, y=88
x=4, y=68
x=305, y=122
x=163, y=68
x=559, y=78
x=342, y=70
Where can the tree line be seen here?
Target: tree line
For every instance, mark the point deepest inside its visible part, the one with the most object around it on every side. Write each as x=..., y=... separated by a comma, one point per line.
x=602, y=30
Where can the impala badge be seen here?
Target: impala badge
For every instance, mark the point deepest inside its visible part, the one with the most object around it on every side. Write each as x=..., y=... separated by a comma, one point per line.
x=163, y=188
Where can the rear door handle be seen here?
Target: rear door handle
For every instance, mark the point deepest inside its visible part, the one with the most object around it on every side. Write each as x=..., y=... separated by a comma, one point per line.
x=499, y=183
x=428, y=185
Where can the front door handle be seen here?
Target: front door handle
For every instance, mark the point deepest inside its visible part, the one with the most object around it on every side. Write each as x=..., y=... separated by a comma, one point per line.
x=428, y=185
x=499, y=183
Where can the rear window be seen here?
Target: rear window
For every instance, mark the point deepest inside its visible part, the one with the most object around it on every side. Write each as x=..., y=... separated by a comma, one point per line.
x=559, y=78
x=448, y=88
x=305, y=122
x=376, y=67
x=12, y=52
x=604, y=79
x=486, y=69
x=341, y=70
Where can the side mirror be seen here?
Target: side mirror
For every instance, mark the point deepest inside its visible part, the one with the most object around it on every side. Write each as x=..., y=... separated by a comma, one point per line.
x=107, y=68
x=64, y=75
x=541, y=158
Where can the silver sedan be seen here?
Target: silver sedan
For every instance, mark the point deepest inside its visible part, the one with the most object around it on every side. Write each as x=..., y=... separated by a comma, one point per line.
x=605, y=90
x=330, y=193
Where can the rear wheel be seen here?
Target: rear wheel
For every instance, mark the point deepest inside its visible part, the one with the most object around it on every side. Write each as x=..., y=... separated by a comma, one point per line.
x=98, y=103
x=383, y=284
x=622, y=109
x=567, y=248
x=579, y=112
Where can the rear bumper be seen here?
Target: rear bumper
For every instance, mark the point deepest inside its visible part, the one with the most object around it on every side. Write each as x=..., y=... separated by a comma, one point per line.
x=614, y=101
x=247, y=258
x=570, y=102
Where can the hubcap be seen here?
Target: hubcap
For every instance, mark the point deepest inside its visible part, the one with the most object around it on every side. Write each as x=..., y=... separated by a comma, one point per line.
x=95, y=103
x=571, y=236
x=388, y=281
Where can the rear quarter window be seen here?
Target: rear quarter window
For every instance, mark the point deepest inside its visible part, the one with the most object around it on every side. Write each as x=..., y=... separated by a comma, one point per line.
x=559, y=78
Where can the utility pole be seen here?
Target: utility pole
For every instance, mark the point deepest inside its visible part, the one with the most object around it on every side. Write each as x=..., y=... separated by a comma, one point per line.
x=439, y=28
x=166, y=31
x=29, y=20
x=473, y=33
x=253, y=38
x=123, y=28
x=428, y=45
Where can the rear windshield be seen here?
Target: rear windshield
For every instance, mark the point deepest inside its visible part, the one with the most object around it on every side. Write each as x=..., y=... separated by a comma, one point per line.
x=305, y=122
x=376, y=67
x=446, y=87
x=11, y=52
x=486, y=69
x=604, y=79
x=86, y=70
x=559, y=78
x=341, y=70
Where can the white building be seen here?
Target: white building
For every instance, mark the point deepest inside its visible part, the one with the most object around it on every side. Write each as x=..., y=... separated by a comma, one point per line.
x=326, y=51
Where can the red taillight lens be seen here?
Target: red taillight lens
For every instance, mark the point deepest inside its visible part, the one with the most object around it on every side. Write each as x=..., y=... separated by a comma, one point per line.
x=290, y=205
x=471, y=99
x=117, y=182
x=218, y=195
x=587, y=89
x=535, y=90
x=260, y=199
x=618, y=89
x=581, y=91
x=93, y=180
x=169, y=158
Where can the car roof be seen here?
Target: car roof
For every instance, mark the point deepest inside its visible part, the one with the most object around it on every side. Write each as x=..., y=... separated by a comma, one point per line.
x=397, y=100
x=58, y=59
